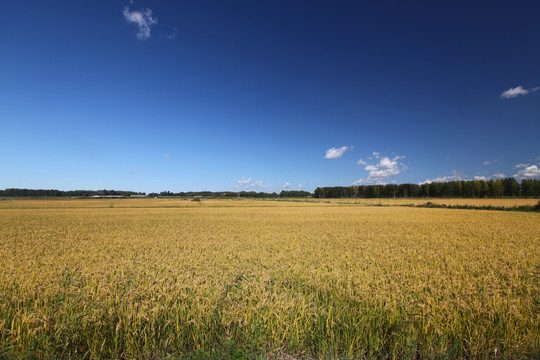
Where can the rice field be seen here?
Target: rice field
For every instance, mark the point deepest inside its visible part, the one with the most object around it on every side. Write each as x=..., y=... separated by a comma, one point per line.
x=234, y=279
x=508, y=202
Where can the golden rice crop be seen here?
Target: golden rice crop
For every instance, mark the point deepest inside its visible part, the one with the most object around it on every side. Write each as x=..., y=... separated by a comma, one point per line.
x=233, y=279
x=508, y=202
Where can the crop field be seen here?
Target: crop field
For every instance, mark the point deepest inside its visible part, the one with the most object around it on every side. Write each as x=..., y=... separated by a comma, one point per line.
x=234, y=279
x=440, y=201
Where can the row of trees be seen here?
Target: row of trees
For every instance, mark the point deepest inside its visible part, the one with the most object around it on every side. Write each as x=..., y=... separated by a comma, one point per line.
x=88, y=193
x=70, y=193
x=508, y=187
x=232, y=194
x=212, y=194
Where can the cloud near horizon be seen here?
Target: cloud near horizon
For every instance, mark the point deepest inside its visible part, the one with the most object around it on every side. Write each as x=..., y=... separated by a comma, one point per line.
x=455, y=175
x=248, y=184
x=489, y=162
x=528, y=172
x=361, y=162
x=386, y=168
x=244, y=184
x=143, y=19
x=334, y=153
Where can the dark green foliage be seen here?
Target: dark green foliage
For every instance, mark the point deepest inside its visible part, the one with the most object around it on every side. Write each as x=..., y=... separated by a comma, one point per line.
x=508, y=187
x=294, y=194
x=59, y=193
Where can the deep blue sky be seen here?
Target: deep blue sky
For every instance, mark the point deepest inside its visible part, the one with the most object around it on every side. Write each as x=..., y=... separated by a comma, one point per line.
x=228, y=95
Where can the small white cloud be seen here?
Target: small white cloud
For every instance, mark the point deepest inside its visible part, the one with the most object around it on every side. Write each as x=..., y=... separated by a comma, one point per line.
x=299, y=187
x=480, y=178
x=384, y=169
x=499, y=175
x=361, y=162
x=519, y=166
x=514, y=92
x=166, y=155
x=286, y=185
x=260, y=184
x=535, y=88
x=143, y=19
x=245, y=184
x=334, y=153
x=455, y=175
x=489, y=162
x=529, y=172
x=173, y=34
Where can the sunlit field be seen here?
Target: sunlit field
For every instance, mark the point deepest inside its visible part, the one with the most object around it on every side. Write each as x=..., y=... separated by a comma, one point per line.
x=232, y=279
x=441, y=201
x=11, y=203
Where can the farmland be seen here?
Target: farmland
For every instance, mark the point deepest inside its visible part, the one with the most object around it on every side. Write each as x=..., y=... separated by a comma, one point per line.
x=157, y=278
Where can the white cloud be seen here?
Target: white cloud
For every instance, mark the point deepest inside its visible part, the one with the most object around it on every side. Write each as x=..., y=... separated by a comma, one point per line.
x=499, y=175
x=361, y=162
x=334, y=153
x=261, y=185
x=455, y=176
x=518, y=166
x=245, y=184
x=489, y=162
x=384, y=169
x=528, y=172
x=286, y=185
x=513, y=92
x=173, y=35
x=166, y=155
x=300, y=186
x=480, y=178
x=535, y=88
x=143, y=19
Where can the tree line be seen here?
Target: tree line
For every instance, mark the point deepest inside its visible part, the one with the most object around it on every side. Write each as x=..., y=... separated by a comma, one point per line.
x=507, y=187
x=233, y=194
x=69, y=193
x=206, y=194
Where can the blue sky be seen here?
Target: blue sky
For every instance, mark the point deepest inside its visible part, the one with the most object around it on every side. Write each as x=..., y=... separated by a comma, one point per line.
x=251, y=95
